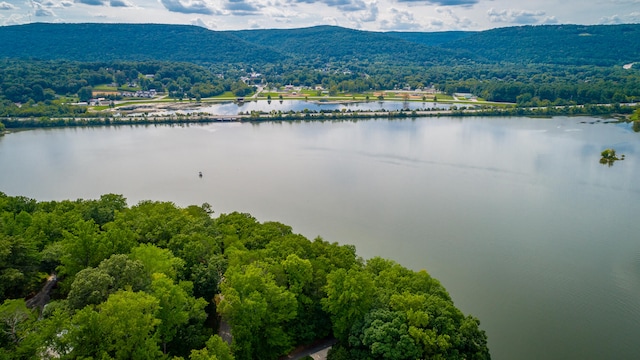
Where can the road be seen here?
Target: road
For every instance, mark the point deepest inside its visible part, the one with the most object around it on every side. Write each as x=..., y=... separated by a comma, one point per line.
x=317, y=351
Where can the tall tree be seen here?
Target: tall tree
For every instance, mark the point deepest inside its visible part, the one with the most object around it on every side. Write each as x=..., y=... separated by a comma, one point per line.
x=121, y=328
x=176, y=307
x=253, y=304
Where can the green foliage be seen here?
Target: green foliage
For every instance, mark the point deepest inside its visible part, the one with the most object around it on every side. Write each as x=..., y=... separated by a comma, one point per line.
x=560, y=44
x=157, y=260
x=153, y=280
x=103, y=210
x=187, y=43
x=121, y=328
x=609, y=157
x=153, y=222
x=565, y=44
x=16, y=323
x=216, y=349
x=82, y=247
x=85, y=93
x=92, y=286
x=409, y=316
x=253, y=303
x=386, y=334
x=635, y=118
x=126, y=272
x=609, y=154
x=176, y=307
x=349, y=298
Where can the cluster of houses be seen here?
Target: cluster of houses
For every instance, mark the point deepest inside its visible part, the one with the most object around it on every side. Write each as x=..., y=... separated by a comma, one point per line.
x=140, y=93
x=101, y=101
x=253, y=78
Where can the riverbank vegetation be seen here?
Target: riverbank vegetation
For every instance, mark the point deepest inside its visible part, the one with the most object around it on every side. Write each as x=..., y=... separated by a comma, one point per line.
x=154, y=281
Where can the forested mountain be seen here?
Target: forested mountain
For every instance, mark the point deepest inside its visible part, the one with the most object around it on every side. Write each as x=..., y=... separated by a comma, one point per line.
x=137, y=42
x=603, y=45
x=333, y=42
x=431, y=38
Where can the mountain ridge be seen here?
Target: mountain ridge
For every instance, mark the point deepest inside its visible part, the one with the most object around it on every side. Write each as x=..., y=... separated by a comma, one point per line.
x=602, y=45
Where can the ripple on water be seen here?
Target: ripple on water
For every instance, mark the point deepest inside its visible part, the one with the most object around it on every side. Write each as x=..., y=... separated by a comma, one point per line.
x=626, y=277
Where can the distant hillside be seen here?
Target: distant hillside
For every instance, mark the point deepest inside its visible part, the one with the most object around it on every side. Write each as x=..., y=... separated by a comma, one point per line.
x=332, y=42
x=431, y=38
x=107, y=42
x=604, y=45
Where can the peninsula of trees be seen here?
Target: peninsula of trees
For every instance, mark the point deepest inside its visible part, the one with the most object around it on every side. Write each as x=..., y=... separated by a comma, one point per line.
x=156, y=281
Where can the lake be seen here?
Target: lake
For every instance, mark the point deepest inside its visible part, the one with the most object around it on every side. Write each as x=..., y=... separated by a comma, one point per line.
x=515, y=216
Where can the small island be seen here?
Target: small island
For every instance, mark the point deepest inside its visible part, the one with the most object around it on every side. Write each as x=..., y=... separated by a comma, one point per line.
x=609, y=157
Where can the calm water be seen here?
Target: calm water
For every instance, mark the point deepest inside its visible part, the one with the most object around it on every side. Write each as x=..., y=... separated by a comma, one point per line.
x=516, y=217
x=231, y=108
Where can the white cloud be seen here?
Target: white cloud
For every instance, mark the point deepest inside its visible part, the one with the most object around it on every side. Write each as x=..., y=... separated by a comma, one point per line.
x=449, y=19
x=205, y=24
x=633, y=17
x=43, y=9
x=329, y=20
x=400, y=20
x=185, y=6
x=512, y=16
x=369, y=13
x=48, y=3
x=91, y=2
x=120, y=3
x=43, y=12
x=6, y=6
x=465, y=3
x=15, y=19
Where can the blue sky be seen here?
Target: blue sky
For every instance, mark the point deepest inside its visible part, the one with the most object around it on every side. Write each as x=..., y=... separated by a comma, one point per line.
x=377, y=15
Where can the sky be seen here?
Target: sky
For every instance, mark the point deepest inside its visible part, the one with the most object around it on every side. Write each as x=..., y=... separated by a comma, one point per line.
x=374, y=15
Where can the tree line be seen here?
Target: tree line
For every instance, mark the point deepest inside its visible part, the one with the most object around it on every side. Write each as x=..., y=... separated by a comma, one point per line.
x=154, y=281
x=36, y=88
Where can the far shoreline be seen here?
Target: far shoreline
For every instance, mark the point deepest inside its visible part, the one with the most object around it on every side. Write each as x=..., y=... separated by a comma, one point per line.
x=616, y=113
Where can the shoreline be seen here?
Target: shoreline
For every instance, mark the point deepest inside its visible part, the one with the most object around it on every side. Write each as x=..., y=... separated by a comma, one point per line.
x=154, y=112
x=618, y=114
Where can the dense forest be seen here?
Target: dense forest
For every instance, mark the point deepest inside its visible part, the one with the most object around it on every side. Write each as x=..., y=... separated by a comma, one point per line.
x=109, y=42
x=602, y=45
x=43, y=70
x=155, y=280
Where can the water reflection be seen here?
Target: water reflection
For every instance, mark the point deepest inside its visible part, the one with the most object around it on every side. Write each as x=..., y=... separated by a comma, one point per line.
x=233, y=108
